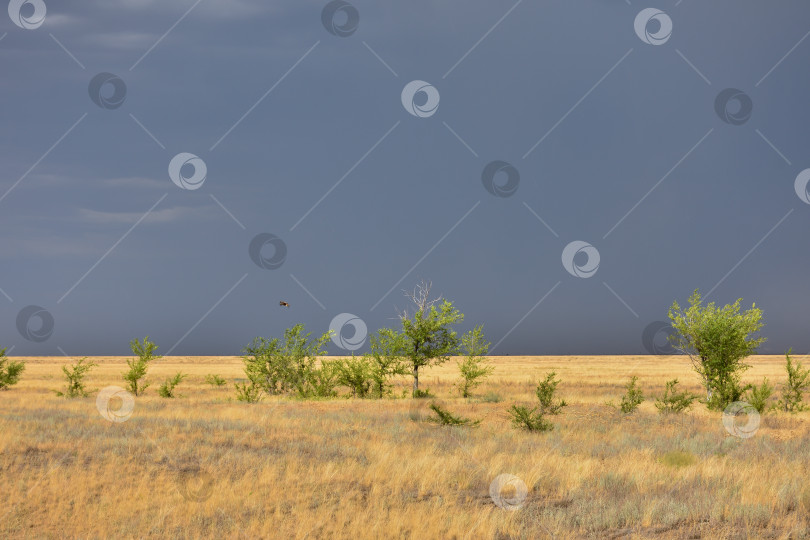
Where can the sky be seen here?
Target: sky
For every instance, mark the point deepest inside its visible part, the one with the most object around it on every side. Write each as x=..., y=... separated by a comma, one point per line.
x=561, y=171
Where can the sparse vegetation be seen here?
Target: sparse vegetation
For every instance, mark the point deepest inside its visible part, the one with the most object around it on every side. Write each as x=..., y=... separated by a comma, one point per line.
x=10, y=371
x=446, y=418
x=75, y=374
x=529, y=418
x=674, y=401
x=138, y=366
x=215, y=380
x=758, y=396
x=166, y=389
x=632, y=398
x=474, y=366
x=546, y=391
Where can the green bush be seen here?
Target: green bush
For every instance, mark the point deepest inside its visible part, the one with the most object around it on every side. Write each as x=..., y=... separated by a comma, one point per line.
x=474, y=367
x=673, y=401
x=446, y=418
x=632, y=398
x=545, y=393
x=248, y=391
x=758, y=396
x=422, y=394
x=75, y=374
x=386, y=358
x=355, y=374
x=139, y=365
x=9, y=371
x=530, y=419
x=793, y=390
x=167, y=388
x=214, y=380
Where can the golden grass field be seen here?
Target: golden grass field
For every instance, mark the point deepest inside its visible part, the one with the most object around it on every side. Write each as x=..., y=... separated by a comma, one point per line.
x=205, y=465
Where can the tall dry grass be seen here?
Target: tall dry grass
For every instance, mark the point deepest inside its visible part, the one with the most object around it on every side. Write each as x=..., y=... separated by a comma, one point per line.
x=204, y=465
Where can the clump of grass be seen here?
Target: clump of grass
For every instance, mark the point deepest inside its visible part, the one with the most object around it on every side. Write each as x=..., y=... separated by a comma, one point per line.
x=673, y=401
x=678, y=459
x=446, y=418
x=214, y=380
x=491, y=397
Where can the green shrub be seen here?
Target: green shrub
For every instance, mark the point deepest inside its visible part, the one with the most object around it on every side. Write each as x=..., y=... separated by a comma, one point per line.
x=214, y=380
x=167, y=388
x=323, y=380
x=673, y=401
x=446, y=418
x=9, y=371
x=422, y=394
x=386, y=358
x=474, y=367
x=797, y=383
x=545, y=393
x=355, y=374
x=75, y=374
x=139, y=365
x=758, y=396
x=530, y=419
x=248, y=391
x=632, y=398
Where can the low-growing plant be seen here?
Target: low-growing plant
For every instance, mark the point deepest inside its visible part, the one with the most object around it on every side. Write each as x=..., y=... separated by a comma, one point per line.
x=10, y=371
x=422, y=394
x=248, y=391
x=167, y=388
x=545, y=393
x=632, y=398
x=355, y=374
x=474, y=367
x=446, y=418
x=491, y=397
x=678, y=459
x=530, y=419
x=75, y=374
x=793, y=390
x=139, y=365
x=673, y=401
x=758, y=395
x=215, y=380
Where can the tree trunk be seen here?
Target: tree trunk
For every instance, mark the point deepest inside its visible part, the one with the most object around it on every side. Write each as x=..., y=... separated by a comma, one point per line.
x=415, y=380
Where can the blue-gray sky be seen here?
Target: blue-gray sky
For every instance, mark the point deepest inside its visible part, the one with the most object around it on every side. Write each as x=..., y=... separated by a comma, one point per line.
x=615, y=135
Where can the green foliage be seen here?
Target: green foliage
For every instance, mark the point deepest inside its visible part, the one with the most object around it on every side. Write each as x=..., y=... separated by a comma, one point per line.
x=289, y=365
x=633, y=397
x=386, y=359
x=673, y=401
x=422, y=394
x=717, y=340
x=138, y=366
x=758, y=396
x=323, y=380
x=355, y=373
x=214, y=380
x=429, y=340
x=75, y=374
x=474, y=367
x=797, y=383
x=530, y=419
x=248, y=391
x=446, y=418
x=9, y=371
x=167, y=388
x=545, y=393
x=678, y=459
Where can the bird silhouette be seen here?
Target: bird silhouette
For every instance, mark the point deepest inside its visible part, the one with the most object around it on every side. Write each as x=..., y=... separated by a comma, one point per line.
x=283, y=304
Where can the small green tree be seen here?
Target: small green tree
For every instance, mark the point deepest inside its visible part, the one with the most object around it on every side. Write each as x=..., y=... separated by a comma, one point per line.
x=794, y=388
x=673, y=401
x=215, y=380
x=429, y=340
x=530, y=419
x=386, y=359
x=474, y=367
x=632, y=398
x=138, y=366
x=10, y=371
x=75, y=374
x=717, y=340
x=355, y=373
x=288, y=365
x=758, y=395
x=545, y=393
x=167, y=388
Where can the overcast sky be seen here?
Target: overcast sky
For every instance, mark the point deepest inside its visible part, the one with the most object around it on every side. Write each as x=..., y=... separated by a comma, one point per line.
x=562, y=171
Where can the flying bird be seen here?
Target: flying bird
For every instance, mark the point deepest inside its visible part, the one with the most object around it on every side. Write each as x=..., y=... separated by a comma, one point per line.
x=284, y=304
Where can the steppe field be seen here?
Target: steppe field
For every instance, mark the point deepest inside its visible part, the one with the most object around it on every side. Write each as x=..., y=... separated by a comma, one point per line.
x=205, y=465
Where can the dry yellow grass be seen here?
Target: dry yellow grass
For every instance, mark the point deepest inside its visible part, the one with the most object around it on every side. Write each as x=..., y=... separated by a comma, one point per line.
x=204, y=465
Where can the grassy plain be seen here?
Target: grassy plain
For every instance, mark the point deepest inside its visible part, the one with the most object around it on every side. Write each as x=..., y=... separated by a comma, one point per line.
x=205, y=465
